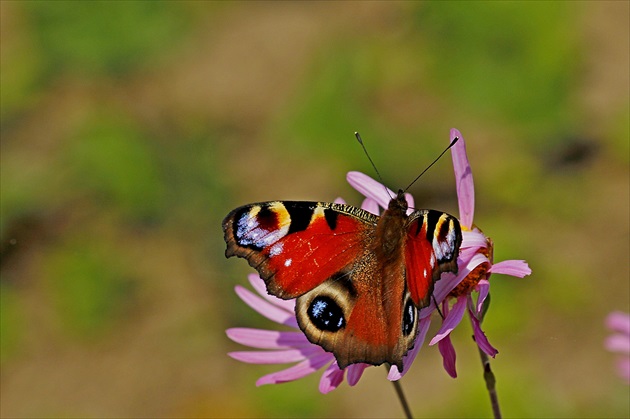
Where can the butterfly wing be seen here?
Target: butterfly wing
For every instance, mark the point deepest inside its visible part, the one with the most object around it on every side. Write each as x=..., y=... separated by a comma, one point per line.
x=362, y=314
x=348, y=301
x=352, y=296
x=431, y=248
x=295, y=246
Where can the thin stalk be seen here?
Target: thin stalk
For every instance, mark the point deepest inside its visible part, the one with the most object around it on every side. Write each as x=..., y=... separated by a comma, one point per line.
x=401, y=397
x=491, y=381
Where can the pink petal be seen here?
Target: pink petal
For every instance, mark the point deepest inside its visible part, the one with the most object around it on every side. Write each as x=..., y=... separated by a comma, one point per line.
x=618, y=343
x=474, y=240
x=268, y=339
x=423, y=327
x=448, y=356
x=442, y=288
x=274, y=357
x=619, y=322
x=370, y=188
x=463, y=180
x=517, y=268
x=410, y=203
x=371, y=205
x=270, y=311
x=476, y=260
x=331, y=378
x=449, y=281
x=446, y=307
x=451, y=321
x=481, y=339
x=484, y=289
x=466, y=255
x=304, y=368
x=355, y=371
x=259, y=286
x=340, y=201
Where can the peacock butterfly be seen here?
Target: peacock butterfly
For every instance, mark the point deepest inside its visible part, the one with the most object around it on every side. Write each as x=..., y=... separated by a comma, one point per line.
x=358, y=278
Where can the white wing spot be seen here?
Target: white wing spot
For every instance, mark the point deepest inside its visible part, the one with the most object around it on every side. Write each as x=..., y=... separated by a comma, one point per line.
x=276, y=249
x=444, y=249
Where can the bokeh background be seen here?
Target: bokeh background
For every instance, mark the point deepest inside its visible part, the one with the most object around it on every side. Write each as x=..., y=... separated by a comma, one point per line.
x=130, y=129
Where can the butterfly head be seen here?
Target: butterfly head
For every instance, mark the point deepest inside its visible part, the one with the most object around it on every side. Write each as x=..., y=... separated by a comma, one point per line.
x=398, y=204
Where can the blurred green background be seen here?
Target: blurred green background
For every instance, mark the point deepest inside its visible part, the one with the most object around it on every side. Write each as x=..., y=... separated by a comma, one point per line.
x=130, y=129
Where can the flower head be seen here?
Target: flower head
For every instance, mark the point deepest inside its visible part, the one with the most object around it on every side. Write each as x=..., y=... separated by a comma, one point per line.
x=475, y=267
x=619, y=342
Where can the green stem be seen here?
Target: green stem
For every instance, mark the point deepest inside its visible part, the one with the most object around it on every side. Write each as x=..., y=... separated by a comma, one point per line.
x=401, y=397
x=491, y=381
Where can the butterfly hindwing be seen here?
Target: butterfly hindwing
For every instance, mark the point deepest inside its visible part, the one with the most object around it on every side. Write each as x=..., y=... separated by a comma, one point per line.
x=358, y=320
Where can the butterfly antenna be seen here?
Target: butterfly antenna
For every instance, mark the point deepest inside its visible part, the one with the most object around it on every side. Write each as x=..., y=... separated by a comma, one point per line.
x=434, y=161
x=360, y=140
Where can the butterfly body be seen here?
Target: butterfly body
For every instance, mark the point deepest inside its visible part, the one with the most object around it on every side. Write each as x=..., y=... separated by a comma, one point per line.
x=358, y=278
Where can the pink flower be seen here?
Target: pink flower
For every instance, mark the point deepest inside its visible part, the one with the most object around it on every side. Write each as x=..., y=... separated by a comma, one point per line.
x=474, y=262
x=620, y=341
x=475, y=267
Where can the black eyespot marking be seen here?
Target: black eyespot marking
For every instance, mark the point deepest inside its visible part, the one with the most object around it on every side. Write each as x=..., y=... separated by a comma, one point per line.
x=326, y=314
x=300, y=216
x=409, y=317
x=331, y=218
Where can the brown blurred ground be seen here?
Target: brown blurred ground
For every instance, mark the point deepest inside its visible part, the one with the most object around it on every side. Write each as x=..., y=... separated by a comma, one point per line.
x=239, y=70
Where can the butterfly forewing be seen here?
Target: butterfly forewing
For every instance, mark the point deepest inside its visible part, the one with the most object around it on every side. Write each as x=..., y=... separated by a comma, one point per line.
x=432, y=247
x=295, y=246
